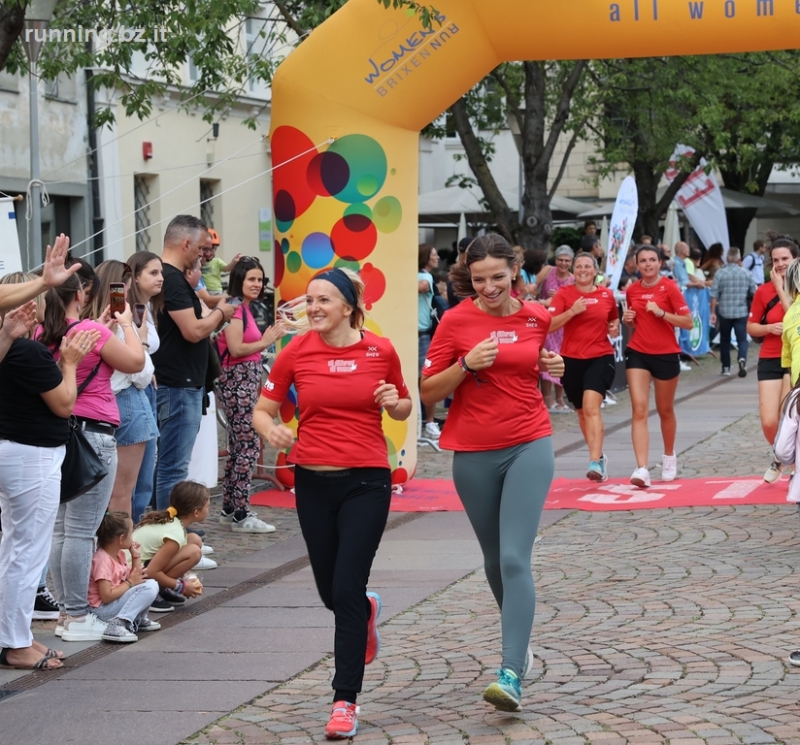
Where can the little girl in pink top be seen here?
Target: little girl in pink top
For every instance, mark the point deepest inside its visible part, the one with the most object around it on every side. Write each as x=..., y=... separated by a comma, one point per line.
x=118, y=593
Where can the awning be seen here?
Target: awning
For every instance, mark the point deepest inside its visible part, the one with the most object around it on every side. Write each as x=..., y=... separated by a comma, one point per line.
x=733, y=200
x=453, y=200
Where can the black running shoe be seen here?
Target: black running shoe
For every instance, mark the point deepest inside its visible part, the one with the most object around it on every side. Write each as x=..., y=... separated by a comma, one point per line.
x=159, y=605
x=172, y=597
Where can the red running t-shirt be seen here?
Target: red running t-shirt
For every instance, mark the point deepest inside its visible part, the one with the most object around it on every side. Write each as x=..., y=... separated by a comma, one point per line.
x=772, y=345
x=508, y=409
x=340, y=423
x=652, y=335
x=586, y=335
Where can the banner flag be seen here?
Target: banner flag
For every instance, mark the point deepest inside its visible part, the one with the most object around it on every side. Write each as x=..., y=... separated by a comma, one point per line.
x=10, y=257
x=701, y=201
x=620, y=231
x=694, y=341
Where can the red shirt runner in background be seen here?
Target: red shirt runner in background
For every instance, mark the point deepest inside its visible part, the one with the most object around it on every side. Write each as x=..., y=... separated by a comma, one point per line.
x=586, y=335
x=772, y=345
x=652, y=335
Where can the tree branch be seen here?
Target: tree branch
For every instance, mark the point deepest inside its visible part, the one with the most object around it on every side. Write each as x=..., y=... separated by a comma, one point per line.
x=12, y=21
x=563, y=167
x=290, y=20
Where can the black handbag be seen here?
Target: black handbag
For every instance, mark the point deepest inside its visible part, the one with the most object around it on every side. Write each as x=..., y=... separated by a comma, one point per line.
x=82, y=468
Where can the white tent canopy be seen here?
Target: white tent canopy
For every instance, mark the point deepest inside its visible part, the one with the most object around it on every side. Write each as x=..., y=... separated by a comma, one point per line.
x=732, y=199
x=453, y=200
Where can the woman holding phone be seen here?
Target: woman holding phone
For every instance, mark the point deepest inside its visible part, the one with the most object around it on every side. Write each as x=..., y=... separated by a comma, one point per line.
x=136, y=422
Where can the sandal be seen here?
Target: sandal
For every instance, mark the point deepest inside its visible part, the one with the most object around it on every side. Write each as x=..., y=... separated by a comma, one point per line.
x=43, y=663
x=51, y=654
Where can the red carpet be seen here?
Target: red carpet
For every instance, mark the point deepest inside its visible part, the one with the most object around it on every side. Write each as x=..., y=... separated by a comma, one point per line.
x=439, y=495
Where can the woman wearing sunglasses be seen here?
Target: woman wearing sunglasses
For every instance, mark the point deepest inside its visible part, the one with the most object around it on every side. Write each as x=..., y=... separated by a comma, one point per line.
x=240, y=346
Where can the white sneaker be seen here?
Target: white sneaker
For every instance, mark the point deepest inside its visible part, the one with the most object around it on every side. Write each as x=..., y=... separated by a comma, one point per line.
x=88, y=628
x=684, y=366
x=205, y=563
x=773, y=473
x=62, y=621
x=251, y=524
x=205, y=549
x=641, y=478
x=117, y=631
x=609, y=400
x=669, y=467
x=526, y=668
x=431, y=430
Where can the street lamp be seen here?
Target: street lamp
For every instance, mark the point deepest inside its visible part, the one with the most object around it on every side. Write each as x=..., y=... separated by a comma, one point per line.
x=37, y=18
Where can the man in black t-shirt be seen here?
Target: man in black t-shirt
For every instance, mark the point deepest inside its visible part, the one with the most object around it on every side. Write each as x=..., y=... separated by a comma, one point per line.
x=182, y=358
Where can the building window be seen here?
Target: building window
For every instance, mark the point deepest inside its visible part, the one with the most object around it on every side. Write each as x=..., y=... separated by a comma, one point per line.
x=63, y=88
x=255, y=39
x=143, y=220
x=207, y=202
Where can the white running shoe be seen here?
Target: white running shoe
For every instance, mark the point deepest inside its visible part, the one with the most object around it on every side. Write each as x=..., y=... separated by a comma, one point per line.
x=526, y=668
x=773, y=473
x=641, y=478
x=251, y=524
x=683, y=366
x=669, y=467
x=205, y=549
x=205, y=563
x=431, y=429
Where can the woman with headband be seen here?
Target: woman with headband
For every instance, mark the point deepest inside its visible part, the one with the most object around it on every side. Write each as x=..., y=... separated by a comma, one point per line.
x=345, y=378
x=487, y=354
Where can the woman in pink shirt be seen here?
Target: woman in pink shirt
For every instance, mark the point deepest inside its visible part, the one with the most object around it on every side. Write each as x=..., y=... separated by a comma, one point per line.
x=96, y=410
x=240, y=346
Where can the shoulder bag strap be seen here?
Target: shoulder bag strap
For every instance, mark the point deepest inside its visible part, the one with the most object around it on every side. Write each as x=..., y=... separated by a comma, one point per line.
x=769, y=306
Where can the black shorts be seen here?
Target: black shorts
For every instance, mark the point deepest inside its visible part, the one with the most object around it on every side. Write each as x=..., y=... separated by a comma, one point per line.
x=660, y=366
x=769, y=368
x=594, y=374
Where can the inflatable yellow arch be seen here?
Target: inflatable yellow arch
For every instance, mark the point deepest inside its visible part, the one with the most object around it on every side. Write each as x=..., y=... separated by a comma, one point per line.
x=369, y=79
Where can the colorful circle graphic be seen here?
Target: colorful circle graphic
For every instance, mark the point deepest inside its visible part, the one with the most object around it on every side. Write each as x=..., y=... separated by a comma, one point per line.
x=367, y=164
x=388, y=214
x=354, y=237
x=328, y=173
x=317, y=251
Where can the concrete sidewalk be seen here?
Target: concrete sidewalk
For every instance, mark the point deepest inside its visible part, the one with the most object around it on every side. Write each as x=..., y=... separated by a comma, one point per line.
x=652, y=626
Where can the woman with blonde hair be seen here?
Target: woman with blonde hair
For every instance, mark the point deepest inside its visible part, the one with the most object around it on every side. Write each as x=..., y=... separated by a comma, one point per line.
x=345, y=378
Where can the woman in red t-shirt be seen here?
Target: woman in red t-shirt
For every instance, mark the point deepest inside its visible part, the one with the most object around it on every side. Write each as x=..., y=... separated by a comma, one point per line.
x=344, y=379
x=655, y=307
x=766, y=322
x=485, y=355
x=588, y=315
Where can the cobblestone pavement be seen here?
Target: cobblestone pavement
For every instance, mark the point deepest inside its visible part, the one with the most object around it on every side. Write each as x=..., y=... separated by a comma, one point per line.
x=653, y=626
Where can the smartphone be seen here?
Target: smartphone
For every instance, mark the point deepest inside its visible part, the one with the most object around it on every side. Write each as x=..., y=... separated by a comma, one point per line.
x=138, y=314
x=117, y=297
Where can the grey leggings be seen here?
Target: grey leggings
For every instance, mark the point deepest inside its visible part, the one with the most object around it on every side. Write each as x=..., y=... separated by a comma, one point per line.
x=503, y=493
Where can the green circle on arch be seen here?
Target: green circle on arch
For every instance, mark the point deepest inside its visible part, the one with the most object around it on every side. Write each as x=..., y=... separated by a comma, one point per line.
x=388, y=214
x=367, y=162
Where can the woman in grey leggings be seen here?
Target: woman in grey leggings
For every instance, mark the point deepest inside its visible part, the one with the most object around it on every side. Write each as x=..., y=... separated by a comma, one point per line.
x=485, y=354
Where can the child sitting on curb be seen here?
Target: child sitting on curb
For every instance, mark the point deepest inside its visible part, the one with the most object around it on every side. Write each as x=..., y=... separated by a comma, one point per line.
x=167, y=551
x=119, y=594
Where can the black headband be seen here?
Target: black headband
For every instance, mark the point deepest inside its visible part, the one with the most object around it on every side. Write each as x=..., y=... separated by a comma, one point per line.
x=342, y=283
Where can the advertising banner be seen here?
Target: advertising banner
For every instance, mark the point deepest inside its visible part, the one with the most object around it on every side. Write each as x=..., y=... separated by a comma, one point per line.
x=620, y=230
x=10, y=258
x=701, y=200
x=695, y=341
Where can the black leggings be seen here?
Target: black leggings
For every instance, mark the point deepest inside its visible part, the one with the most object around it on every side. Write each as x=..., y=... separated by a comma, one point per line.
x=342, y=515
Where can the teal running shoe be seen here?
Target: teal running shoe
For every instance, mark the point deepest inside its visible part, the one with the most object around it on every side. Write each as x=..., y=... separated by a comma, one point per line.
x=506, y=693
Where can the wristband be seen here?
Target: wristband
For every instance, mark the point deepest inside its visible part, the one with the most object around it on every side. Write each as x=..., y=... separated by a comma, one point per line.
x=128, y=582
x=464, y=366
x=180, y=586
x=663, y=313
x=221, y=311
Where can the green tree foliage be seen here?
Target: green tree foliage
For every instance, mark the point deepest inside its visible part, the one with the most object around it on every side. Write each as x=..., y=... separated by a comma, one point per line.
x=740, y=112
